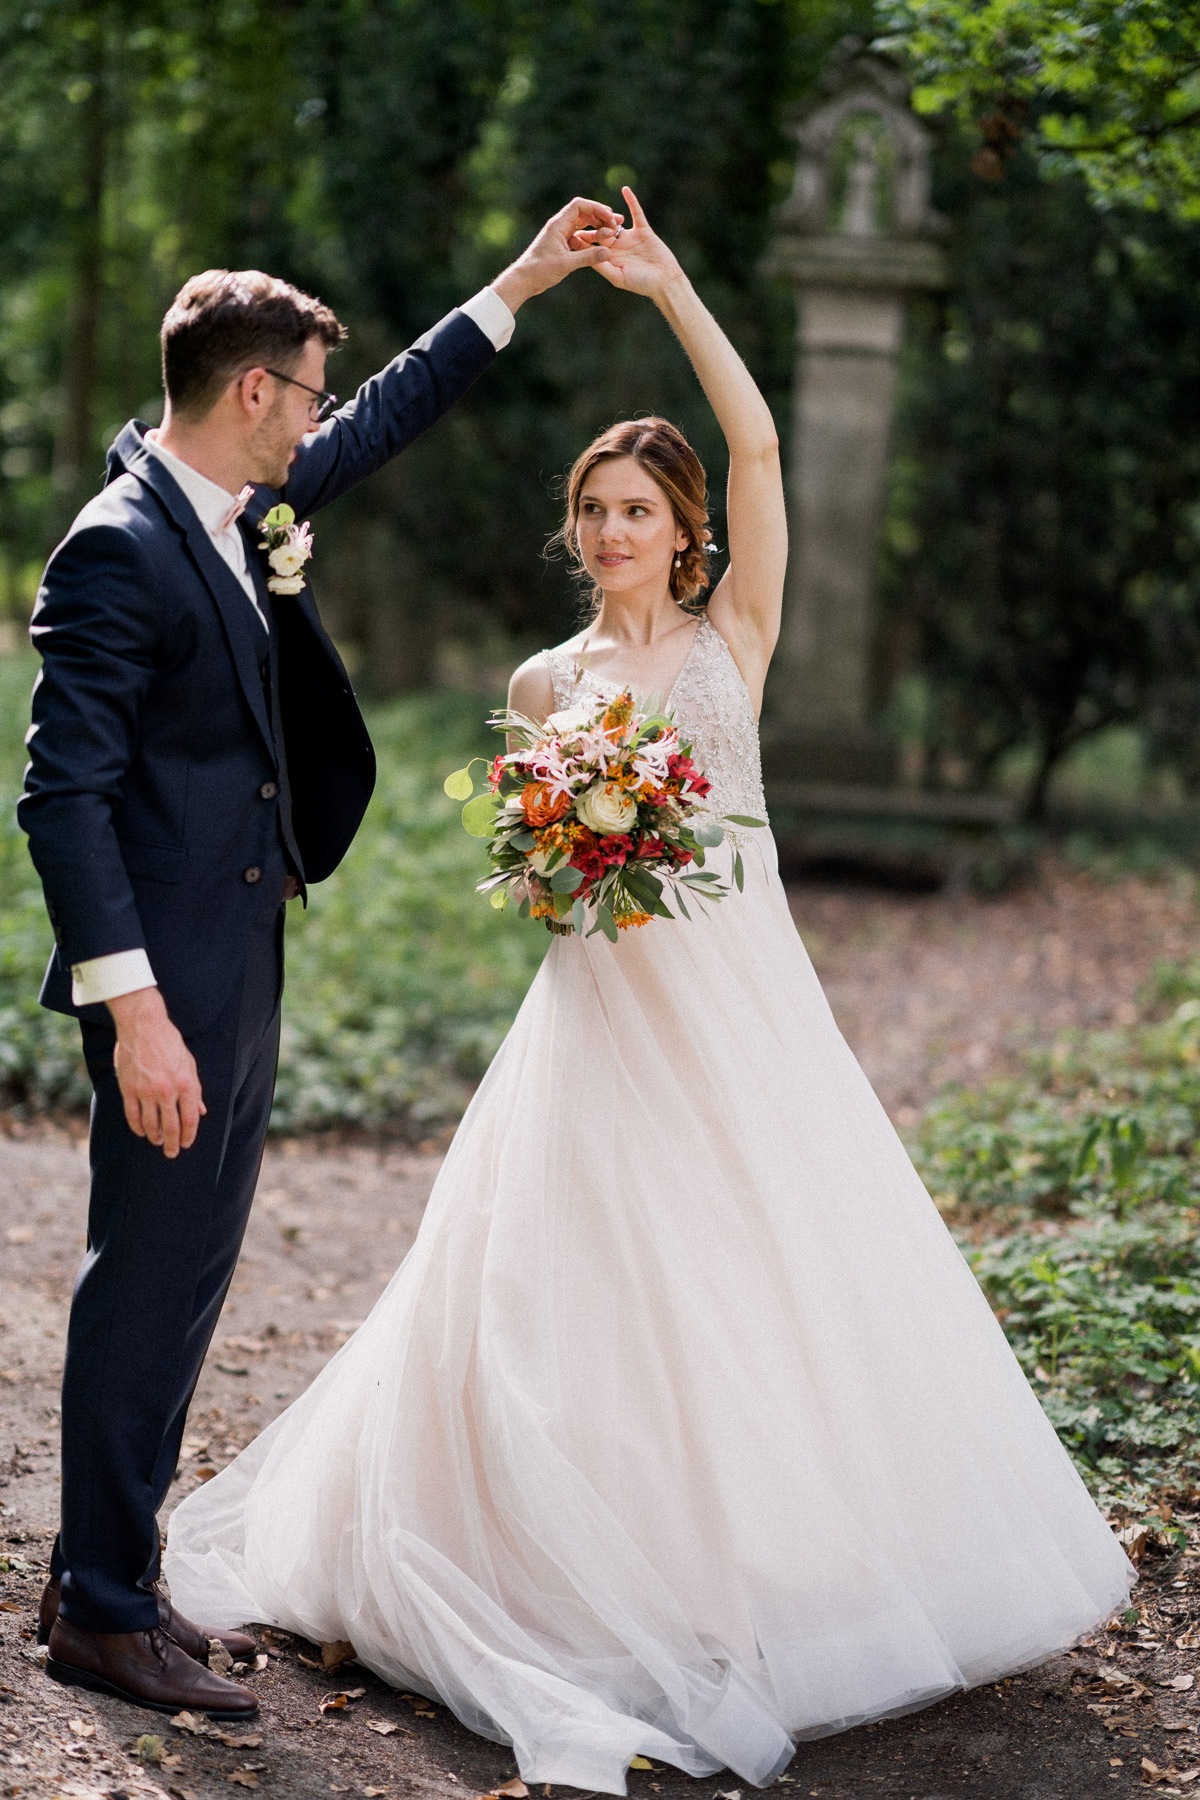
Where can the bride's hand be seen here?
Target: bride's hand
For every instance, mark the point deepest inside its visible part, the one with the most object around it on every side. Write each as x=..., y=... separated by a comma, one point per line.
x=638, y=260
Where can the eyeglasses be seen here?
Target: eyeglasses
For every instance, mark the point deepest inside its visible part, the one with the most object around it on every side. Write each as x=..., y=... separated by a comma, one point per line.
x=325, y=402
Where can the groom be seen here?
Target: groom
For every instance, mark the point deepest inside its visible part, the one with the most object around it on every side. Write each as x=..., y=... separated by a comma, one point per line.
x=196, y=758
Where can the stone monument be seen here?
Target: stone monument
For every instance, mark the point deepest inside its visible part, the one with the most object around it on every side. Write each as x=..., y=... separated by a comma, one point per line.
x=855, y=237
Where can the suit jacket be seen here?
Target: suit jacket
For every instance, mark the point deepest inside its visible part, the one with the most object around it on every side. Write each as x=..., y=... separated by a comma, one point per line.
x=151, y=799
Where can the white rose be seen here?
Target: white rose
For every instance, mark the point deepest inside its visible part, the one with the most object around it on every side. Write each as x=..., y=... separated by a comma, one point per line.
x=287, y=559
x=606, y=808
x=574, y=718
x=286, y=584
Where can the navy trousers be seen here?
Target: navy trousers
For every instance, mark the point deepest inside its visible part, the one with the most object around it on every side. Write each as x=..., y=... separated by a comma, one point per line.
x=163, y=1240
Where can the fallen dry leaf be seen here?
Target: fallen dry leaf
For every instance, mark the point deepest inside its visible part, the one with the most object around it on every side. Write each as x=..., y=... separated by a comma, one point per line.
x=149, y=1748
x=243, y=1777
x=515, y=1787
x=643, y=1762
x=11, y=1606
x=374, y=1793
x=219, y=1659
x=81, y=1727
x=1133, y=1539
x=385, y=1728
x=1180, y=1682
x=194, y=1722
x=236, y=1743
x=307, y=1660
x=260, y=1662
x=335, y=1654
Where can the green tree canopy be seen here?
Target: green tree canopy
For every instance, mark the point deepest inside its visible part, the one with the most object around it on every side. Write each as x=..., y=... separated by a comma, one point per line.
x=1110, y=88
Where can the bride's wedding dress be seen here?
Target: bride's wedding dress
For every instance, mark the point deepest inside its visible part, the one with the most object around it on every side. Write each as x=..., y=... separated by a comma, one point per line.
x=684, y=1429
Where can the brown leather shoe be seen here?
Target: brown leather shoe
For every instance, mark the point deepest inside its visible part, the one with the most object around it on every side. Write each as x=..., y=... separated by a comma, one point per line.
x=147, y=1668
x=193, y=1639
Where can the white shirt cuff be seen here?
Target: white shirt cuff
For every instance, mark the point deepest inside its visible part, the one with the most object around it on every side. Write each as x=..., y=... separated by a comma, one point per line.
x=107, y=977
x=487, y=310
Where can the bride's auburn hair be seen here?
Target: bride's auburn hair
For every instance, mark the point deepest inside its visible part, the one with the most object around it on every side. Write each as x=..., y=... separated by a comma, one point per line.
x=668, y=458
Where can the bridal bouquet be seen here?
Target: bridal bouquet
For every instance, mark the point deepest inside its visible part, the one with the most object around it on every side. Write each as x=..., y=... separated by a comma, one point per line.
x=596, y=816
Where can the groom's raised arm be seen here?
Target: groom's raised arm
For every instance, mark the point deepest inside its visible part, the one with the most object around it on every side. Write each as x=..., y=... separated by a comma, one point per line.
x=394, y=407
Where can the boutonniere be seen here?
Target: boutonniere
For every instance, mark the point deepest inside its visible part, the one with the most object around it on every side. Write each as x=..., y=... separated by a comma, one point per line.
x=288, y=547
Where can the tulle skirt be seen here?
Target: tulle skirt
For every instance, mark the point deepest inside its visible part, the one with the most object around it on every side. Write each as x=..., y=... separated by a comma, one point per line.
x=684, y=1430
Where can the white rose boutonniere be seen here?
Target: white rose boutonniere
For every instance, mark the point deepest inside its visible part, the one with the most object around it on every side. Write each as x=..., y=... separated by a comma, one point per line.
x=288, y=547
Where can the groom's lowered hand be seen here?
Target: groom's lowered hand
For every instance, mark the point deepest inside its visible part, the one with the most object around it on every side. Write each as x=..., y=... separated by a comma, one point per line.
x=156, y=1072
x=577, y=237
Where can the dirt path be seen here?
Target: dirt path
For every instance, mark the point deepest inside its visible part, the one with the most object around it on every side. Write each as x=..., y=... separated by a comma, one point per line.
x=926, y=988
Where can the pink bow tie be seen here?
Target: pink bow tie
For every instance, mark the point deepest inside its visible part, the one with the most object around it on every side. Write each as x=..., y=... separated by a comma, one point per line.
x=238, y=508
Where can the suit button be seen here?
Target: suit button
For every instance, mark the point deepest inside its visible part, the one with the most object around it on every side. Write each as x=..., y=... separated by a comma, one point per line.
x=252, y=875
x=269, y=789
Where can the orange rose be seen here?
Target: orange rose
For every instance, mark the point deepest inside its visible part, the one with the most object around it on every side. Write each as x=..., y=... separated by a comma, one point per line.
x=539, y=808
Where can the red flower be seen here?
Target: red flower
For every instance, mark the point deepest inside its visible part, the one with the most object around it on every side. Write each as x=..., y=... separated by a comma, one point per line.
x=684, y=770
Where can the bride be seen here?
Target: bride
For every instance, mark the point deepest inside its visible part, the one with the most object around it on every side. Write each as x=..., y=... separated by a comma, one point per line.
x=683, y=1431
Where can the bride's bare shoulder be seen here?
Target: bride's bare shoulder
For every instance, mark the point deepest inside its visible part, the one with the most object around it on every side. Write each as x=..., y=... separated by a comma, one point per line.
x=531, y=689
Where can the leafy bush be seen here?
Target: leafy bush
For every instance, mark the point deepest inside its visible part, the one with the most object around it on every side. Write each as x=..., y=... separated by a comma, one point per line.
x=401, y=980
x=1075, y=1195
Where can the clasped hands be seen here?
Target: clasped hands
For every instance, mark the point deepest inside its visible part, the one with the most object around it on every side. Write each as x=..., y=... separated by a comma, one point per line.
x=586, y=234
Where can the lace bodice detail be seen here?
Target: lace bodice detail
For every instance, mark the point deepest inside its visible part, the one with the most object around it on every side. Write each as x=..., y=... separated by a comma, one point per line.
x=712, y=707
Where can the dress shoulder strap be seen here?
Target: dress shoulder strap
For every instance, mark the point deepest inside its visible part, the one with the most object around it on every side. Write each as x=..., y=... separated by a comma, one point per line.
x=564, y=675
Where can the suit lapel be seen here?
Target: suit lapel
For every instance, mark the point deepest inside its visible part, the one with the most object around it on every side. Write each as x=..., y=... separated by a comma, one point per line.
x=236, y=613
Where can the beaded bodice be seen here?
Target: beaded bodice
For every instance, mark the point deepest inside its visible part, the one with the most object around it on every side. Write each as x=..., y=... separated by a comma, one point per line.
x=712, y=708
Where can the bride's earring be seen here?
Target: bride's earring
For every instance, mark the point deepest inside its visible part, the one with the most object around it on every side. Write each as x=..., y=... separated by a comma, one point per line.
x=678, y=564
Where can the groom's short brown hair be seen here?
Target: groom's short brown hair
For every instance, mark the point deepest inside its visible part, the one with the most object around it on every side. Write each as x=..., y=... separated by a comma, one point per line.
x=228, y=320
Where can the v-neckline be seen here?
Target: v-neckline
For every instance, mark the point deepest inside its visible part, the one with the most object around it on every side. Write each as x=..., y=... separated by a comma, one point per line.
x=602, y=681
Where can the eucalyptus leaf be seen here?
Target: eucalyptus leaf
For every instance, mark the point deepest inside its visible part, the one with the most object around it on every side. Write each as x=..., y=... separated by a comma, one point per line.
x=565, y=881
x=498, y=898
x=479, y=816
x=461, y=785
x=742, y=819
x=739, y=874
x=605, y=923
x=579, y=916
x=523, y=840
x=708, y=833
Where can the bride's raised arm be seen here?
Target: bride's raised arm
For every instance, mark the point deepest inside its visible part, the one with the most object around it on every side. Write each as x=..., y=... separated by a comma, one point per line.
x=746, y=604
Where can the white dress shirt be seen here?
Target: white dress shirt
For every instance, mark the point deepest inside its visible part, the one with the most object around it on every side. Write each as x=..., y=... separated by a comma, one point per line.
x=124, y=971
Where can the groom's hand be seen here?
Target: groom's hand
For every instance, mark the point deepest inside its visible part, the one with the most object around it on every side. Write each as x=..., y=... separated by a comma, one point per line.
x=577, y=237
x=156, y=1072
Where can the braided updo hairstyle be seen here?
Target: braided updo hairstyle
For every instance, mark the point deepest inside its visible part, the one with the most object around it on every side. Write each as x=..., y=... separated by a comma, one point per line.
x=665, y=454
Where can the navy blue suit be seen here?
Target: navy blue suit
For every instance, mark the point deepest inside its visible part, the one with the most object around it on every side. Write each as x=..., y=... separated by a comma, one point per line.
x=182, y=764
